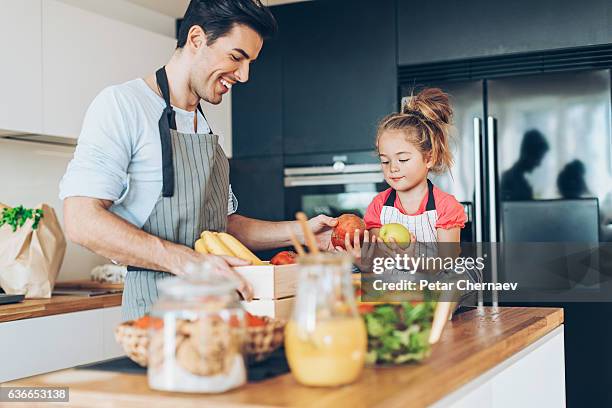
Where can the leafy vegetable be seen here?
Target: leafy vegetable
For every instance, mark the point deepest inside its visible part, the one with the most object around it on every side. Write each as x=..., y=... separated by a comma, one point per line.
x=17, y=217
x=398, y=333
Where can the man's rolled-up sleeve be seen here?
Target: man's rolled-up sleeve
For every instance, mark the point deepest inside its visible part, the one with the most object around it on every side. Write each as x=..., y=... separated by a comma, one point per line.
x=102, y=156
x=232, y=205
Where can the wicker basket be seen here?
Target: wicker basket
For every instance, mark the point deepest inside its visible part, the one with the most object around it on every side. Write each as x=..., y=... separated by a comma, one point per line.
x=134, y=340
x=260, y=343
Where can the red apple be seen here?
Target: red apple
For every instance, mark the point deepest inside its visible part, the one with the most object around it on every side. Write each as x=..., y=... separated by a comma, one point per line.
x=347, y=223
x=284, y=258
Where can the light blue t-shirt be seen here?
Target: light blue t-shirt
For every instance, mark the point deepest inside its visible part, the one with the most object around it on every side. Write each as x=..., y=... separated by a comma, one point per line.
x=118, y=154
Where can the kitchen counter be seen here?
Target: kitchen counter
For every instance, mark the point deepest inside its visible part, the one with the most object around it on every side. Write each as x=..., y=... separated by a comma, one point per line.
x=31, y=308
x=473, y=352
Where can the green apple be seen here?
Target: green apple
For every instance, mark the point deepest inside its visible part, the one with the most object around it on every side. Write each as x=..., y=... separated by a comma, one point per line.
x=398, y=232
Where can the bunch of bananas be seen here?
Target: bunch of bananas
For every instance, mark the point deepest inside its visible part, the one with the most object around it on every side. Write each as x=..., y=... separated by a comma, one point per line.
x=221, y=243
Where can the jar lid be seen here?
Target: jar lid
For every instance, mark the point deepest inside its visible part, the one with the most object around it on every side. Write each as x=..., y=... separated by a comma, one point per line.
x=200, y=279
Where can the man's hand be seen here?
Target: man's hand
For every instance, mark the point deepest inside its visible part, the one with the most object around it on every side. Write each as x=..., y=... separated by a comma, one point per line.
x=224, y=264
x=322, y=226
x=220, y=264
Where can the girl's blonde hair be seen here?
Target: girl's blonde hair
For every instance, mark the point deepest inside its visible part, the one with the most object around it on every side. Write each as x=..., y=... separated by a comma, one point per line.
x=426, y=121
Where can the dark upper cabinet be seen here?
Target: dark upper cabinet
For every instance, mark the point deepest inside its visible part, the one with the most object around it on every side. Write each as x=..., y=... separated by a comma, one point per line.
x=258, y=185
x=257, y=182
x=431, y=31
x=257, y=105
x=339, y=73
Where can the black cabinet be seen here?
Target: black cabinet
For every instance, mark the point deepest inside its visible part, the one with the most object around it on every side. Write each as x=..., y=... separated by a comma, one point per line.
x=322, y=84
x=257, y=182
x=339, y=73
x=257, y=104
x=450, y=30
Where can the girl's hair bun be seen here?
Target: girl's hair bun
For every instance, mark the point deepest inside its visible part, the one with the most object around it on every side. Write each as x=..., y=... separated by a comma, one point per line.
x=432, y=104
x=426, y=119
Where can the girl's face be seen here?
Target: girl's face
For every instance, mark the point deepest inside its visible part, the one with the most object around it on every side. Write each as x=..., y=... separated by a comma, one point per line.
x=404, y=166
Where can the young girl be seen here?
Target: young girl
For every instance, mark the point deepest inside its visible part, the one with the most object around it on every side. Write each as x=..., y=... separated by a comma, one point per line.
x=411, y=144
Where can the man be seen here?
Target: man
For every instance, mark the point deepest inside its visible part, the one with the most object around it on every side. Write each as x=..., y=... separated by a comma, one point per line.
x=149, y=175
x=514, y=184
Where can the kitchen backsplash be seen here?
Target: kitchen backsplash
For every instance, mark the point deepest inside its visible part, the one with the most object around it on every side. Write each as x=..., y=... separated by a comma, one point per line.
x=30, y=175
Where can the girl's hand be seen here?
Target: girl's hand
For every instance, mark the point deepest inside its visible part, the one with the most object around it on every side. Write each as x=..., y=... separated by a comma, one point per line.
x=361, y=255
x=392, y=248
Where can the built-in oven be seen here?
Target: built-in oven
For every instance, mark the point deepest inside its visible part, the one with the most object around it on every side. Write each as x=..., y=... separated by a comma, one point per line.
x=335, y=184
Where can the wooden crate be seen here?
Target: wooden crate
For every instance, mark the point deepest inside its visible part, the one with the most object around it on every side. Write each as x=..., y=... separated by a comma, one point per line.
x=271, y=281
x=275, y=308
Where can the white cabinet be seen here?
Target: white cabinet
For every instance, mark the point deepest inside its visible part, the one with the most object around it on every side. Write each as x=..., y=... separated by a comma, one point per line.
x=43, y=344
x=84, y=52
x=20, y=67
x=532, y=378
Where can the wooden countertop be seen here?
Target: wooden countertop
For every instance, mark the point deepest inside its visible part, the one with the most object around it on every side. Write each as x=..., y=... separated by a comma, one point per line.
x=30, y=308
x=470, y=345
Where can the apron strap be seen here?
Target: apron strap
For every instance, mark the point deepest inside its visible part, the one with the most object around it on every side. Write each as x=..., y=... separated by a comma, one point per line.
x=431, y=203
x=210, y=132
x=167, y=121
x=391, y=198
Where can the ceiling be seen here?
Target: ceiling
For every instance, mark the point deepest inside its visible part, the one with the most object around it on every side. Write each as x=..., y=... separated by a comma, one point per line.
x=176, y=8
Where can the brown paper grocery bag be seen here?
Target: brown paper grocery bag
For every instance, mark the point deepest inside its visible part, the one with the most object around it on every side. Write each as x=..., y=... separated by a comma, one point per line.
x=30, y=259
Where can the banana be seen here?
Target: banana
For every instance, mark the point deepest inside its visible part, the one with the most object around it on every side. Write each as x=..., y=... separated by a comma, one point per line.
x=239, y=250
x=200, y=246
x=214, y=244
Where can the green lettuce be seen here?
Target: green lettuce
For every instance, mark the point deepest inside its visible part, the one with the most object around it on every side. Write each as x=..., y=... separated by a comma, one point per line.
x=399, y=333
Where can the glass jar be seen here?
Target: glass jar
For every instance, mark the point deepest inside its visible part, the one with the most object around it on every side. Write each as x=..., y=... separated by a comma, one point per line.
x=325, y=340
x=198, y=333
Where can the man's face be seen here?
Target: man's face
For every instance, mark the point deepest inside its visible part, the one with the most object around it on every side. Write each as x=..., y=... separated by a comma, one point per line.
x=225, y=62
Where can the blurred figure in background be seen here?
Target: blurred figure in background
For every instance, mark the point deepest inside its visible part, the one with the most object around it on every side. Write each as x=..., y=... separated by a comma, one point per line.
x=514, y=185
x=571, y=183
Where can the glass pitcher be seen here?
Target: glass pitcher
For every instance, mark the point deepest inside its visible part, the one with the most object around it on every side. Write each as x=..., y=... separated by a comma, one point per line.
x=325, y=340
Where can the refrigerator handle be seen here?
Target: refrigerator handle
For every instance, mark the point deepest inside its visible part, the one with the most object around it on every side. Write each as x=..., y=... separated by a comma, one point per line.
x=492, y=176
x=478, y=160
x=492, y=201
x=478, y=225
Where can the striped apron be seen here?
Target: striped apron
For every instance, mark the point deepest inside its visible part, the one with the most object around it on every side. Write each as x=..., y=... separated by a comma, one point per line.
x=194, y=198
x=422, y=226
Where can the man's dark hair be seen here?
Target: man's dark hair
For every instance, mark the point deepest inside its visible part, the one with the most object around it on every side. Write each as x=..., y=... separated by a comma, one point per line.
x=534, y=144
x=218, y=17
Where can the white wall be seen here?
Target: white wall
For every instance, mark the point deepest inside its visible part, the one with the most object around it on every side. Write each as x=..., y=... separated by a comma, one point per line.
x=30, y=175
x=220, y=119
x=130, y=13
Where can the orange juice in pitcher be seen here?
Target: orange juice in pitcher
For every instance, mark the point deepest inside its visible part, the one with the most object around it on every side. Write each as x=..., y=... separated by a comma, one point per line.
x=326, y=339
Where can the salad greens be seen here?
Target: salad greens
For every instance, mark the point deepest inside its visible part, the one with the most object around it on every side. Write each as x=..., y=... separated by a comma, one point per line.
x=398, y=333
x=16, y=217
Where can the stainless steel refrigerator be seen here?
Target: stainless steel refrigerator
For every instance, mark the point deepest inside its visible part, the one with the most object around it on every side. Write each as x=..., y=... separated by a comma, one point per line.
x=534, y=156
